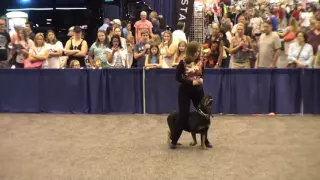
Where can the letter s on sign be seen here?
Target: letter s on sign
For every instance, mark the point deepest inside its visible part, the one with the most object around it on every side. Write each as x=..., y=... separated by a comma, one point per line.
x=184, y=2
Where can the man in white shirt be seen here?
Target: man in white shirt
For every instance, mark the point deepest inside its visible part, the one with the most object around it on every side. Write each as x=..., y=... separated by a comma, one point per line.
x=178, y=35
x=305, y=18
x=242, y=20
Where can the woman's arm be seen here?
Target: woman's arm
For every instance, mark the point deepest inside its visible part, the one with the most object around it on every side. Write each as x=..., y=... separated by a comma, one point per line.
x=233, y=49
x=180, y=76
x=110, y=56
x=42, y=57
x=69, y=52
x=220, y=54
x=309, y=60
x=146, y=63
x=83, y=51
x=171, y=50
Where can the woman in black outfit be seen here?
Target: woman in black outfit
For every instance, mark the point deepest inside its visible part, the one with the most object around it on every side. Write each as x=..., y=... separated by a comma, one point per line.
x=189, y=74
x=76, y=48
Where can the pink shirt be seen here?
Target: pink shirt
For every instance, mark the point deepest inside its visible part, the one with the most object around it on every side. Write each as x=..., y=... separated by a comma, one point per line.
x=141, y=25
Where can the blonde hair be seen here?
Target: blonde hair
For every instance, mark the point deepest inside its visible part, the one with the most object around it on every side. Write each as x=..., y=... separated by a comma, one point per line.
x=38, y=35
x=178, y=52
x=72, y=62
x=170, y=41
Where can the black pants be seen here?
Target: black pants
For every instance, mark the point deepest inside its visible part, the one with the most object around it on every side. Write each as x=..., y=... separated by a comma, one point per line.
x=186, y=93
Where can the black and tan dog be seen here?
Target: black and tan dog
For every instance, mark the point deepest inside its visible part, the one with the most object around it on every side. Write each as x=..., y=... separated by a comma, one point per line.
x=199, y=121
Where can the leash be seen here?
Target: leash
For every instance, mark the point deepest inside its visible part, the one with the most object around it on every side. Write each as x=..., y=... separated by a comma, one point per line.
x=204, y=114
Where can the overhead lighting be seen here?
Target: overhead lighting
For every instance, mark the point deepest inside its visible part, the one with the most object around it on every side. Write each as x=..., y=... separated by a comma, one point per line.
x=49, y=19
x=48, y=22
x=66, y=8
x=31, y=9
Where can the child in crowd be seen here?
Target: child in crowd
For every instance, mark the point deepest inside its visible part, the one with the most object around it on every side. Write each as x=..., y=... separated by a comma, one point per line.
x=74, y=64
x=180, y=54
x=153, y=60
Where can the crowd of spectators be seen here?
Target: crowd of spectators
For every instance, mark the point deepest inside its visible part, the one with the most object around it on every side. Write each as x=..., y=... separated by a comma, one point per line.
x=238, y=38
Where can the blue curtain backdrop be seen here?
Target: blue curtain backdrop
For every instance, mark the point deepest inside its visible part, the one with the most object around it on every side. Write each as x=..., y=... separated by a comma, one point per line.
x=235, y=91
x=164, y=7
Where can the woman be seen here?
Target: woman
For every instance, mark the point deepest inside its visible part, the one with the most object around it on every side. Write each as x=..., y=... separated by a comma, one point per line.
x=256, y=23
x=189, y=74
x=38, y=52
x=98, y=50
x=22, y=47
x=123, y=40
x=240, y=49
x=76, y=48
x=167, y=50
x=116, y=55
x=55, y=48
x=226, y=54
x=289, y=34
x=216, y=48
x=300, y=52
x=127, y=30
x=109, y=32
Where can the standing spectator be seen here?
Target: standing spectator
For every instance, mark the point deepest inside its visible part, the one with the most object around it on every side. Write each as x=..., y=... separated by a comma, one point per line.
x=4, y=41
x=281, y=16
x=109, y=33
x=98, y=50
x=77, y=48
x=130, y=45
x=274, y=20
x=226, y=51
x=116, y=24
x=216, y=48
x=289, y=34
x=142, y=25
x=105, y=25
x=123, y=40
x=22, y=47
x=71, y=32
x=38, y=52
x=242, y=20
x=269, y=47
x=126, y=31
x=181, y=53
x=153, y=60
x=116, y=54
x=55, y=48
x=256, y=23
x=178, y=35
x=314, y=35
x=141, y=49
x=296, y=13
x=300, y=52
x=305, y=19
x=167, y=50
x=31, y=35
x=240, y=49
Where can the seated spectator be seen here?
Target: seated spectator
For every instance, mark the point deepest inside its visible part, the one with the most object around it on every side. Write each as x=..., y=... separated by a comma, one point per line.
x=77, y=47
x=153, y=60
x=55, y=48
x=116, y=54
x=22, y=46
x=167, y=50
x=141, y=49
x=181, y=53
x=38, y=52
x=98, y=50
x=300, y=53
x=74, y=64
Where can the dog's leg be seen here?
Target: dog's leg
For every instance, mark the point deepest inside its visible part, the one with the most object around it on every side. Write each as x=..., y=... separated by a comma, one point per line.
x=169, y=137
x=203, y=141
x=194, y=139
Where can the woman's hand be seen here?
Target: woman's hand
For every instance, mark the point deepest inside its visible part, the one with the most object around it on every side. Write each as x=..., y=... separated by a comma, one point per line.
x=217, y=66
x=200, y=81
x=115, y=49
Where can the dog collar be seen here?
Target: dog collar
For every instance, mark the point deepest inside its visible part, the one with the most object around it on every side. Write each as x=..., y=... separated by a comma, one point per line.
x=203, y=114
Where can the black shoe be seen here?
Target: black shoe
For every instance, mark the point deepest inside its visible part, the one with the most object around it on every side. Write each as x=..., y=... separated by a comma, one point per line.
x=172, y=146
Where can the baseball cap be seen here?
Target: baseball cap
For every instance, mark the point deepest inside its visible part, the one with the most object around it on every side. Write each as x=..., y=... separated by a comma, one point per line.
x=77, y=29
x=117, y=21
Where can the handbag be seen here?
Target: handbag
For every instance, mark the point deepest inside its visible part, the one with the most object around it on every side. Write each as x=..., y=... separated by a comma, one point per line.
x=294, y=64
x=289, y=36
x=32, y=64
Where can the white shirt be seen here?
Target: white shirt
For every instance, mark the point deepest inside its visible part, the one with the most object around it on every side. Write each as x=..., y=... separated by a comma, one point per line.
x=305, y=16
x=166, y=61
x=38, y=51
x=178, y=36
x=123, y=56
x=53, y=62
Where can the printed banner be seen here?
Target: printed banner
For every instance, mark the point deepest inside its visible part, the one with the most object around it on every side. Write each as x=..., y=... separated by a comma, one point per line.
x=184, y=14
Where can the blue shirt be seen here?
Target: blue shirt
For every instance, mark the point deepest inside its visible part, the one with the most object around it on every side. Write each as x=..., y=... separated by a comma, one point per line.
x=274, y=21
x=104, y=27
x=125, y=32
